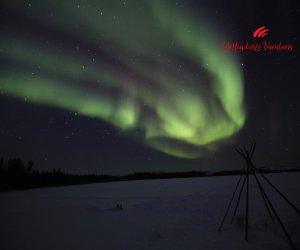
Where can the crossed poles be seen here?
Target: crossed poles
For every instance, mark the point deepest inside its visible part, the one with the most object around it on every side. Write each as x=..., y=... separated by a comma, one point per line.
x=249, y=169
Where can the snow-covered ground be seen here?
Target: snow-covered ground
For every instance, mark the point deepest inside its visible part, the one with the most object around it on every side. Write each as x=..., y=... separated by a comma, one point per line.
x=157, y=214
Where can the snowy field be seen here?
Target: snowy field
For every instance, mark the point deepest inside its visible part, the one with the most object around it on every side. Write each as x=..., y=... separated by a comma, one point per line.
x=157, y=214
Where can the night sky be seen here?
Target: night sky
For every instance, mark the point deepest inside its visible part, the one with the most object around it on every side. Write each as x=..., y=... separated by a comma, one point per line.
x=115, y=87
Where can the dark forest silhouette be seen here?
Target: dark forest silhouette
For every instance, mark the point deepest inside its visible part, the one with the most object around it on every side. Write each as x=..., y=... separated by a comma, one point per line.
x=15, y=174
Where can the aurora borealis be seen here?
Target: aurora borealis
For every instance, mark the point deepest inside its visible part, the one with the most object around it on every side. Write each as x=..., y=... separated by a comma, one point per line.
x=153, y=70
x=159, y=70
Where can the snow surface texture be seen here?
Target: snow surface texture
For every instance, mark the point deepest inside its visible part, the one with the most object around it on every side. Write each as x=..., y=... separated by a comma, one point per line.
x=155, y=214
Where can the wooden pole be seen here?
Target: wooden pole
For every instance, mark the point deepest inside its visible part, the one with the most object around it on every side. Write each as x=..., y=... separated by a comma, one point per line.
x=238, y=200
x=247, y=203
x=230, y=202
x=276, y=189
x=279, y=220
x=263, y=194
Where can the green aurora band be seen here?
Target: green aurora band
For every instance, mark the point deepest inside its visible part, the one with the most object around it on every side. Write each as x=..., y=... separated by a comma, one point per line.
x=138, y=65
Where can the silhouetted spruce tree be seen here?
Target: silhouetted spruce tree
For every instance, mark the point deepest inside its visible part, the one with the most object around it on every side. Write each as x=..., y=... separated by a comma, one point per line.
x=15, y=167
x=1, y=165
x=29, y=168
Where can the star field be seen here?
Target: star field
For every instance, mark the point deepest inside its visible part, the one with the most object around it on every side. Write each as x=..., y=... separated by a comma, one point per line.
x=147, y=81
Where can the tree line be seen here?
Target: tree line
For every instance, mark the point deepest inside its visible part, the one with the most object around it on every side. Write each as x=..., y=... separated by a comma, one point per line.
x=16, y=174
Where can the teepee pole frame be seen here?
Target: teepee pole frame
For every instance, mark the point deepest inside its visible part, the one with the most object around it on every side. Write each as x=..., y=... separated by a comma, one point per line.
x=250, y=168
